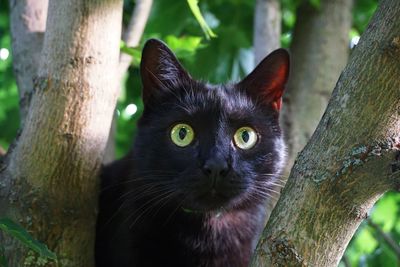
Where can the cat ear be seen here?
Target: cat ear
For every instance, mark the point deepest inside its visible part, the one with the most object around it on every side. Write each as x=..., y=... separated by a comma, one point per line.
x=160, y=69
x=267, y=81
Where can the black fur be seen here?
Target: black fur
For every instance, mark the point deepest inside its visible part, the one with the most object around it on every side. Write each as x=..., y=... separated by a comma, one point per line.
x=159, y=207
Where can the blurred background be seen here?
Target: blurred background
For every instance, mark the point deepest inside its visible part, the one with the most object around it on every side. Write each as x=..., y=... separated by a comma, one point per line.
x=219, y=41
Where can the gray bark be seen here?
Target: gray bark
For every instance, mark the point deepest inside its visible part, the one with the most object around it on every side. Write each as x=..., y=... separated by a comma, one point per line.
x=319, y=53
x=131, y=37
x=48, y=180
x=28, y=23
x=267, y=28
x=351, y=159
x=134, y=32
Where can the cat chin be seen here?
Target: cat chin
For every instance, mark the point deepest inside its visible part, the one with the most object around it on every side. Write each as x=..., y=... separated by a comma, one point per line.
x=213, y=204
x=207, y=203
x=204, y=212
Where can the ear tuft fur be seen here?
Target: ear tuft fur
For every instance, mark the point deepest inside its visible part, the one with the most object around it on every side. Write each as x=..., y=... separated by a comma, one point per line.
x=160, y=69
x=267, y=81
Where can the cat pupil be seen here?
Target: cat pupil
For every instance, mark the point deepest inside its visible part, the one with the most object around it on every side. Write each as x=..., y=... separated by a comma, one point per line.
x=245, y=136
x=182, y=133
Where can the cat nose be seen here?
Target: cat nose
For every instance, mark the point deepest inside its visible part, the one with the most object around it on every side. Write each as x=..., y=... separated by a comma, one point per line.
x=216, y=167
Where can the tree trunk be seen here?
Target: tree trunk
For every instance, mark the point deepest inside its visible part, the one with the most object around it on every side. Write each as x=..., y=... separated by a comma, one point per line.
x=267, y=28
x=131, y=37
x=48, y=181
x=351, y=159
x=28, y=23
x=319, y=53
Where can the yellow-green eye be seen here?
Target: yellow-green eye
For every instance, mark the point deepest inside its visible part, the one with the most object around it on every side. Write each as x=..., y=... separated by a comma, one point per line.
x=245, y=138
x=182, y=134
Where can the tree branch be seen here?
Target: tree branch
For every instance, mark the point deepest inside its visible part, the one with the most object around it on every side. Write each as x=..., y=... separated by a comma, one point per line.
x=134, y=32
x=388, y=239
x=28, y=24
x=2, y=152
x=346, y=261
x=50, y=183
x=320, y=38
x=131, y=37
x=267, y=28
x=395, y=172
x=346, y=166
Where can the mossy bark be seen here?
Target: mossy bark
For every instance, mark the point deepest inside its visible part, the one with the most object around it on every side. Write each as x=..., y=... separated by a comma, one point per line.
x=351, y=159
x=48, y=179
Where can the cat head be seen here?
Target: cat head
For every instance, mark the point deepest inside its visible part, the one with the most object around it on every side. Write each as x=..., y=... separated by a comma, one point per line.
x=206, y=147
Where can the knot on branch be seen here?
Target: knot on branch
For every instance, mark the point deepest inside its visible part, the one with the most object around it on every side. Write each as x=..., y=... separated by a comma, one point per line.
x=284, y=253
x=393, y=49
x=396, y=42
x=79, y=62
x=40, y=83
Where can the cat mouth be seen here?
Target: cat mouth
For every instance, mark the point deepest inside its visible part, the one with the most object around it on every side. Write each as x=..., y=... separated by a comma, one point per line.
x=206, y=202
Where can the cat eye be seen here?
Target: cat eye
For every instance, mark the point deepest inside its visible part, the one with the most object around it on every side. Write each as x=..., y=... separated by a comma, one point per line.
x=182, y=134
x=245, y=137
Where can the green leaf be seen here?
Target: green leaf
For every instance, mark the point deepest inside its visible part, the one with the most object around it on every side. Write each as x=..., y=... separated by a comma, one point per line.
x=385, y=212
x=194, y=7
x=134, y=52
x=22, y=235
x=184, y=47
x=315, y=3
x=3, y=260
x=365, y=241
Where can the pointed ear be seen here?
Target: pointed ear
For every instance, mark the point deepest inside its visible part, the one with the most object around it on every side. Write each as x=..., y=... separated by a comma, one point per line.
x=160, y=69
x=267, y=81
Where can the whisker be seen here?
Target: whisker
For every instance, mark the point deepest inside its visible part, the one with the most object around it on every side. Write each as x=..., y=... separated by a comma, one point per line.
x=176, y=209
x=153, y=205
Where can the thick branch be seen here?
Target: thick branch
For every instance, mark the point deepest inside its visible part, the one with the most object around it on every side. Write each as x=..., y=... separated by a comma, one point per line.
x=51, y=184
x=28, y=23
x=267, y=28
x=319, y=53
x=347, y=165
x=134, y=31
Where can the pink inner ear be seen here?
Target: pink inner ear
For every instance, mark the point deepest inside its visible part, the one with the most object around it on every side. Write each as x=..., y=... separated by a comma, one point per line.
x=275, y=98
x=267, y=81
x=276, y=105
x=274, y=90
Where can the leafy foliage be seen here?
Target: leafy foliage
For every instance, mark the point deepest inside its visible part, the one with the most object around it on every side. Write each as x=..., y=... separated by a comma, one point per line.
x=368, y=247
x=18, y=232
x=3, y=260
x=193, y=4
x=9, y=114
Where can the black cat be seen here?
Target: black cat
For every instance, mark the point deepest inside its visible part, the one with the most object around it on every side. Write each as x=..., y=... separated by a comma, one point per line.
x=206, y=158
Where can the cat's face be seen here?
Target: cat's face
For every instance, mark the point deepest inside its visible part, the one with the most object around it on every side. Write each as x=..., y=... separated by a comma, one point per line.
x=207, y=147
